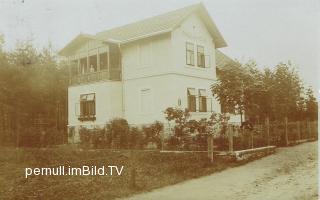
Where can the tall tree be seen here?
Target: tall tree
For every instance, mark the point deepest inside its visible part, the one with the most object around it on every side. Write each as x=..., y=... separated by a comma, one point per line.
x=311, y=105
x=286, y=90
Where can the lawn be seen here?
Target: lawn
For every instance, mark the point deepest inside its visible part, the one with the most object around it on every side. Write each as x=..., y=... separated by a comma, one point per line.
x=153, y=170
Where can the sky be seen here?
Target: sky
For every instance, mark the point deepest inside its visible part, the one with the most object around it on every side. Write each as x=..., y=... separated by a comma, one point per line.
x=267, y=31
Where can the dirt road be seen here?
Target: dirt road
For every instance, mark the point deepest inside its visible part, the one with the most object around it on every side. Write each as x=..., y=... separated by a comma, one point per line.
x=289, y=174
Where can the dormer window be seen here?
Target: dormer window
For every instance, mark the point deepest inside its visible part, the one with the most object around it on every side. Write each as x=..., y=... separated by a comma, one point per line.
x=190, y=53
x=200, y=56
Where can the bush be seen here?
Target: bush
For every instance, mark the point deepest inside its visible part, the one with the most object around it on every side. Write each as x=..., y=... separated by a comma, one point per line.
x=152, y=133
x=192, y=134
x=136, y=138
x=118, y=130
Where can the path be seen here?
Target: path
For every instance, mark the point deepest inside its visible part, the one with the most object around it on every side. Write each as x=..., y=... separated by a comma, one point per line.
x=289, y=174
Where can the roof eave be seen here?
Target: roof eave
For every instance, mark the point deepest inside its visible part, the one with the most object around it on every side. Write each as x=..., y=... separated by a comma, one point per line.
x=65, y=51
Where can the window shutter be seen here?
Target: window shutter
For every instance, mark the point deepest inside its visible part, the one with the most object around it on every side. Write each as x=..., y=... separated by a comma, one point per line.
x=192, y=91
x=207, y=61
x=202, y=92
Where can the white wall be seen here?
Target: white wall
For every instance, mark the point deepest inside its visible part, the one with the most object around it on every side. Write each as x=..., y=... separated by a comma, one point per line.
x=166, y=90
x=147, y=57
x=108, y=102
x=194, y=31
x=159, y=65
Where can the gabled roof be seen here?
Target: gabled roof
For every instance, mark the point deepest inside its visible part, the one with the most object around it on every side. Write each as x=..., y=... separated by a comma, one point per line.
x=149, y=27
x=161, y=24
x=79, y=41
x=223, y=60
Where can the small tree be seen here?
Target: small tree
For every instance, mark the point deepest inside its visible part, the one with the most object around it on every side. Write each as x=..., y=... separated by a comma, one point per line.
x=180, y=117
x=152, y=133
x=236, y=87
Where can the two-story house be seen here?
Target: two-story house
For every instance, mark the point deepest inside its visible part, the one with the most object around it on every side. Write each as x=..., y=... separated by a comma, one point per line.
x=138, y=70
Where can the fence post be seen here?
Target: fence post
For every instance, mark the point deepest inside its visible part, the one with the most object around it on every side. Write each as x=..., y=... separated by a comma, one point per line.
x=286, y=130
x=210, y=147
x=230, y=135
x=268, y=130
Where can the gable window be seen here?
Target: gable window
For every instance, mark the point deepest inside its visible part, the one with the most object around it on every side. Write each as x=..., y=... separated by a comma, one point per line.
x=202, y=100
x=200, y=56
x=191, y=99
x=87, y=107
x=189, y=53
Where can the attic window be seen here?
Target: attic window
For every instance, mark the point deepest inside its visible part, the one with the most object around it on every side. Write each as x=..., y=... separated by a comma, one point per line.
x=200, y=56
x=189, y=53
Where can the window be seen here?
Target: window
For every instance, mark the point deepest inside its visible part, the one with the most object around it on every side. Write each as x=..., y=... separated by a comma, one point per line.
x=191, y=99
x=87, y=107
x=189, y=54
x=200, y=56
x=202, y=100
x=146, y=101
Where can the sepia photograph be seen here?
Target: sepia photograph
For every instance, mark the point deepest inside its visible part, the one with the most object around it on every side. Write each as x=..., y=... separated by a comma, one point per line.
x=159, y=100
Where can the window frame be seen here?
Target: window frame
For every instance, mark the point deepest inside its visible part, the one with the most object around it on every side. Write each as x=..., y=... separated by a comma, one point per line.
x=191, y=100
x=191, y=54
x=201, y=57
x=203, y=103
x=87, y=107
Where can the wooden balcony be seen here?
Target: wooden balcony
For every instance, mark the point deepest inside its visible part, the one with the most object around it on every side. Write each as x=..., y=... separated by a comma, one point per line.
x=91, y=77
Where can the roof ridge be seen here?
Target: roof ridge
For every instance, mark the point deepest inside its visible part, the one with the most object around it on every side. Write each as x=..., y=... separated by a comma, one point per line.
x=191, y=7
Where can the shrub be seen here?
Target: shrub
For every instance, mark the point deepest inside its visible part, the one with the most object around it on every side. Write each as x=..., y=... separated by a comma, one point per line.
x=136, y=138
x=118, y=130
x=193, y=133
x=152, y=133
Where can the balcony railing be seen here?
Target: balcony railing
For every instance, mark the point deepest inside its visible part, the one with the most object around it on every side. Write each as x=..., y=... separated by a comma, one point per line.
x=90, y=77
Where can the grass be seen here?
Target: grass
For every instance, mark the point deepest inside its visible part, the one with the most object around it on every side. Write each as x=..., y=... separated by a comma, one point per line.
x=153, y=170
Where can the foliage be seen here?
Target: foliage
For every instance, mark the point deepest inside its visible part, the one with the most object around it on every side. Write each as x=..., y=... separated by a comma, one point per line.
x=180, y=118
x=118, y=130
x=34, y=84
x=189, y=133
x=117, y=134
x=152, y=133
x=311, y=105
x=277, y=93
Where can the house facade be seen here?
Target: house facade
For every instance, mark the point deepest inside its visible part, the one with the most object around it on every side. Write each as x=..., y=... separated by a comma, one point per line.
x=138, y=70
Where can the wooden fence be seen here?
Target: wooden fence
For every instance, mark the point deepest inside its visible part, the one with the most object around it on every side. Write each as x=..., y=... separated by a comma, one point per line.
x=271, y=133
